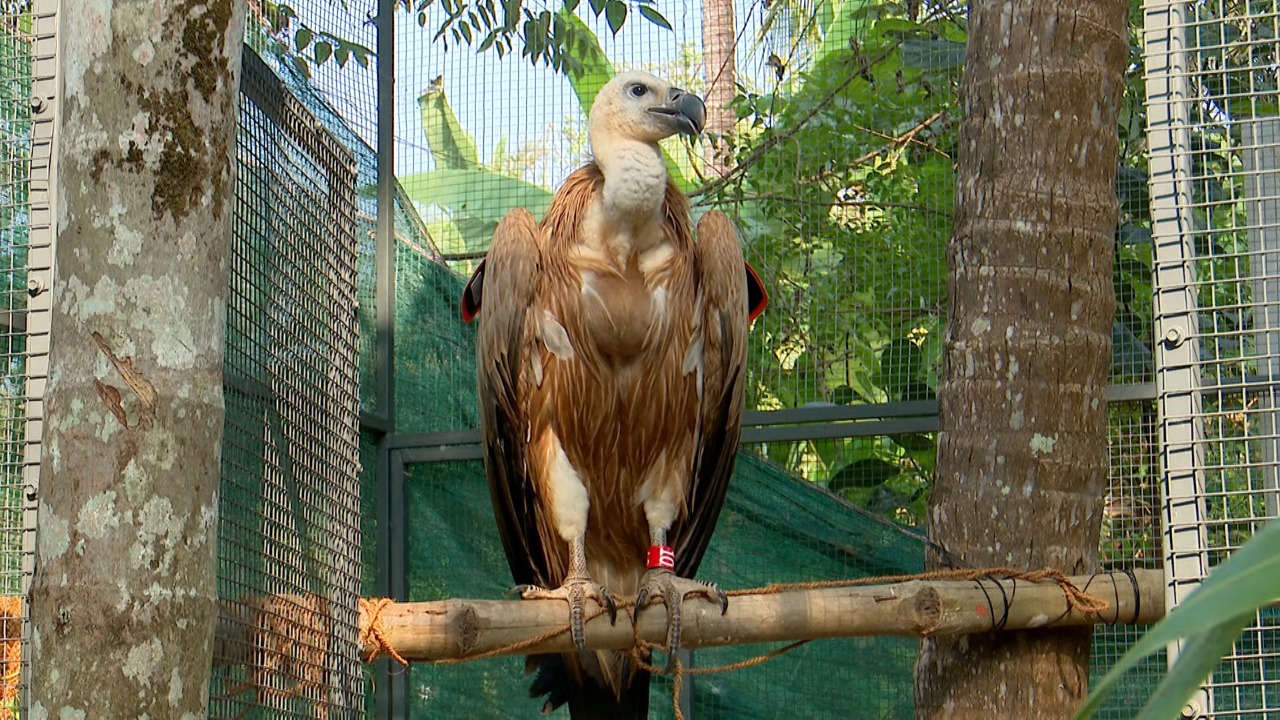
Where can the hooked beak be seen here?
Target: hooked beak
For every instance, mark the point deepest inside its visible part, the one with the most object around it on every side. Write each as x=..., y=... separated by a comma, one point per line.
x=686, y=111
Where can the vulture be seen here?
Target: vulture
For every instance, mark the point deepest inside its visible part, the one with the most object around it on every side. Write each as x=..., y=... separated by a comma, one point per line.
x=610, y=358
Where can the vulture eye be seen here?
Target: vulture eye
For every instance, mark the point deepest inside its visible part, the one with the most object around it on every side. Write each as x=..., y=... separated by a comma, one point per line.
x=638, y=90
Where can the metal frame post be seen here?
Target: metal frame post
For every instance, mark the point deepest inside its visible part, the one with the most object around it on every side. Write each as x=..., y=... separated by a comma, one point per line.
x=42, y=232
x=1178, y=399
x=391, y=692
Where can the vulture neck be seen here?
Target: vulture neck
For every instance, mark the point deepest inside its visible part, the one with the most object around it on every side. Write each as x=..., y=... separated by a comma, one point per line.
x=635, y=181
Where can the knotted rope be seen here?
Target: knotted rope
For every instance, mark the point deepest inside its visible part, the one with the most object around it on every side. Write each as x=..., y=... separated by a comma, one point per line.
x=375, y=632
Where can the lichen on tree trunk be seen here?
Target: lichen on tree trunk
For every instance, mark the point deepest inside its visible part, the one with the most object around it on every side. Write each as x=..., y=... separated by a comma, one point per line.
x=124, y=598
x=1022, y=455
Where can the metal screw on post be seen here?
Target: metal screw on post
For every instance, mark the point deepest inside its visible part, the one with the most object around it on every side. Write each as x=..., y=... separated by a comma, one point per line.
x=35, y=286
x=1173, y=337
x=38, y=104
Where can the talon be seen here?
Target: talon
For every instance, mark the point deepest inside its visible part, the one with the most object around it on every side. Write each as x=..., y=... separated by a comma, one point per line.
x=663, y=585
x=575, y=592
x=611, y=606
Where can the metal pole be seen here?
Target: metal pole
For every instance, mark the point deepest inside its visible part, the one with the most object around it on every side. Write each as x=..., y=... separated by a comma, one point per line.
x=384, y=243
x=392, y=680
x=392, y=689
x=41, y=234
x=1177, y=351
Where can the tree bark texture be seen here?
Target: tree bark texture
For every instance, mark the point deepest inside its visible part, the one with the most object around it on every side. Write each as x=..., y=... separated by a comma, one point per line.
x=720, y=67
x=1022, y=454
x=123, y=604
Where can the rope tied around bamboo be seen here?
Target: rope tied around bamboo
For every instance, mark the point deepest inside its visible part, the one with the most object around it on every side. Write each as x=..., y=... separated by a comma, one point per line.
x=374, y=631
x=1076, y=599
x=998, y=602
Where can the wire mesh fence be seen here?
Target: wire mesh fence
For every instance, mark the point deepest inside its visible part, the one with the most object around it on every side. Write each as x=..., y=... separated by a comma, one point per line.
x=27, y=67
x=289, y=514
x=844, y=207
x=1214, y=163
x=16, y=69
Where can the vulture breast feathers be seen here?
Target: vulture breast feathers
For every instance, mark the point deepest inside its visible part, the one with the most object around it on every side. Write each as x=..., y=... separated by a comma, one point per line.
x=610, y=361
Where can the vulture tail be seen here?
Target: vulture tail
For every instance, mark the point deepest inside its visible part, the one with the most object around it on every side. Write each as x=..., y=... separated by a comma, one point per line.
x=594, y=702
x=589, y=701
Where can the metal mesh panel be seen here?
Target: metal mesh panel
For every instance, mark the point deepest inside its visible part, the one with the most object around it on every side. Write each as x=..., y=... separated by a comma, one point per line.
x=289, y=514
x=1130, y=540
x=343, y=97
x=1215, y=158
x=26, y=238
x=16, y=66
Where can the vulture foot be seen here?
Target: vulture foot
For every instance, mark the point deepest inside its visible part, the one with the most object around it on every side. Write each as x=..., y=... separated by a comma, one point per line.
x=660, y=585
x=575, y=591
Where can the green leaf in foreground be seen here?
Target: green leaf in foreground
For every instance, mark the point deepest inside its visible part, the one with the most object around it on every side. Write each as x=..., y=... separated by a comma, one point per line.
x=654, y=17
x=1198, y=657
x=1222, y=605
x=615, y=12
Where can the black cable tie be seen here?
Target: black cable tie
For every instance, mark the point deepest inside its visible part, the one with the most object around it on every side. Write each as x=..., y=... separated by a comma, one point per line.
x=991, y=607
x=1137, y=597
x=1008, y=601
x=1085, y=590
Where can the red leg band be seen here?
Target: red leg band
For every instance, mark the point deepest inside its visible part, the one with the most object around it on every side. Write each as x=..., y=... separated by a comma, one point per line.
x=662, y=556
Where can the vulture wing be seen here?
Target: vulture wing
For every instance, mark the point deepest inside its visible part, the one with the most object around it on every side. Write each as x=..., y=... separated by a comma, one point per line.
x=724, y=289
x=502, y=290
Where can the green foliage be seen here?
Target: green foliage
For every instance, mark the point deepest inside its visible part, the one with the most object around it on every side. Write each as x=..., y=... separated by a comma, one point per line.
x=475, y=200
x=451, y=146
x=594, y=67
x=284, y=34
x=1210, y=620
x=846, y=202
x=552, y=36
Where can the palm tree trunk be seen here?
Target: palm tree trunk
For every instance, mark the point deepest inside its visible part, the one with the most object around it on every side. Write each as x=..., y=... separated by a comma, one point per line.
x=1022, y=455
x=721, y=74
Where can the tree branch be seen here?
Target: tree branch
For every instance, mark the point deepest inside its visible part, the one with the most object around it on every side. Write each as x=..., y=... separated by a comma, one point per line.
x=903, y=139
x=845, y=203
x=755, y=155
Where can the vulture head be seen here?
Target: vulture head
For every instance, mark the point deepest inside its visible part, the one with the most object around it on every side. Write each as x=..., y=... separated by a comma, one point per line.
x=636, y=106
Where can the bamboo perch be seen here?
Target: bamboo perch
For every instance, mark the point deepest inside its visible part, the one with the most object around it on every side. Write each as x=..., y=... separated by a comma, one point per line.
x=455, y=629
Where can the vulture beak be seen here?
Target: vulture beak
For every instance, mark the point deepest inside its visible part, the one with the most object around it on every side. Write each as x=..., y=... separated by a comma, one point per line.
x=686, y=111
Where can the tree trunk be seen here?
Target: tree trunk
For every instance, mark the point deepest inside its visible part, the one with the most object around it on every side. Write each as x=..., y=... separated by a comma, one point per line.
x=1022, y=455
x=721, y=72
x=124, y=601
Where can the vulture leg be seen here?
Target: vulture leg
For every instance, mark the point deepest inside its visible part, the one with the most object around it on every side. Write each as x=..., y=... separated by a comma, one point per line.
x=662, y=585
x=577, y=587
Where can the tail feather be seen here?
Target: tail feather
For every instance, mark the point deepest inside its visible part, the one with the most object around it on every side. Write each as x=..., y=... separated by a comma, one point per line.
x=588, y=700
x=593, y=702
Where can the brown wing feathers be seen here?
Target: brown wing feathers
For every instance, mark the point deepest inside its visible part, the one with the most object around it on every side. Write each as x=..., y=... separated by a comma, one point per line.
x=509, y=275
x=723, y=323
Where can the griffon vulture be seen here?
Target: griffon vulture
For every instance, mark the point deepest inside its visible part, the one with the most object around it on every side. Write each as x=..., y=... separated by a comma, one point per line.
x=610, y=357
